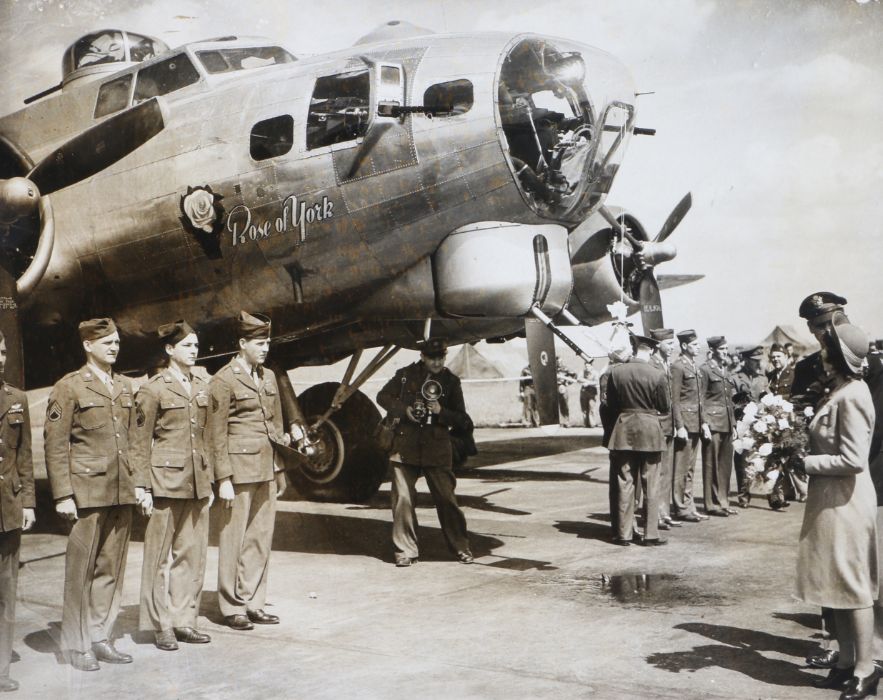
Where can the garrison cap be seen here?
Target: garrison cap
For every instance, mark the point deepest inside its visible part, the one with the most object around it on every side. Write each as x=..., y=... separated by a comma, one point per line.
x=434, y=347
x=643, y=340
x=251, y=326
x=687, y=336
x=755, y=353
x=775, y=347
x=820, y=303
x=174, y=333
x=96, y=328
x=716, y=341
x=662, y=334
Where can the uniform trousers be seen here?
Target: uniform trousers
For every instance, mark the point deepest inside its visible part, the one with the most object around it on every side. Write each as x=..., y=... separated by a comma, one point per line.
x=682, y=480
x=717, y=468
x=666, y=479
x=441, y=482
x=10, y=545
x=244, y=546
x=94, y=568
x=171, y=590
x=628, y=468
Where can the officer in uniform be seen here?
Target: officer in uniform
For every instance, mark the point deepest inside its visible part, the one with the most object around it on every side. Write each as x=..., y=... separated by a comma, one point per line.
x=749, y=384
x=661, y=359
x=588, y=394
x=168, y=448
x=637, y=396
x=245, y=423
x=781, y=373
x=426, y=399
x=530, y=415
x=821, y=311
x=687, y=415
x=89, y=420
x=17, y=506
x=718, y=428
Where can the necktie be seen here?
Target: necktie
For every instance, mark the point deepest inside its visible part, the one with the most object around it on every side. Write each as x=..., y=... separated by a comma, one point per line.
x=109, y=383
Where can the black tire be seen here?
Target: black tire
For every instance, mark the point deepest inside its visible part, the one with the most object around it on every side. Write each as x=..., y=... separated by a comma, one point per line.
x=349, y=467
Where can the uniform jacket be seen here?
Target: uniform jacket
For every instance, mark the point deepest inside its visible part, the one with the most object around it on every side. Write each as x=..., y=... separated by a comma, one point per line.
x=245, y=422
x=666, y=421
x=781, y=381
x=86, y=435
x=716, y=386
x=424, y=445
x=747, y=388
x=637, y=397
x=808, y=388
x=16, y=466
x=168, y=447
x=686, y=395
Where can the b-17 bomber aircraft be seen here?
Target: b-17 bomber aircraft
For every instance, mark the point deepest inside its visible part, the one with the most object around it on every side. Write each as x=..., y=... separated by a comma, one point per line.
x=414, y=184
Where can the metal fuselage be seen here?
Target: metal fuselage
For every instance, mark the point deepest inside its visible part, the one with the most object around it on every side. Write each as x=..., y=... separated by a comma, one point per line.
x=334, y=242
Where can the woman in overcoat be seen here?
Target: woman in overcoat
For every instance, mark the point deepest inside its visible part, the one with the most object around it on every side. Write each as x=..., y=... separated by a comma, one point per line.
x=837, y=554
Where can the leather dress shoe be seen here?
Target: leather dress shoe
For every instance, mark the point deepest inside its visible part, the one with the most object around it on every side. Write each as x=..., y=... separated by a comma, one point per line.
x=238, y=622
x=259, y=617
x=165, y=640
x=719, y=513
x=619, y=542
x=7, y=685
x=405, y=561
x=653, y=542
x=827, y=659
x=106, y=652
x=690, y=518
x=731, y=511
x=465, y=557
x=859, y=688
x=836, y=678
x=662, y=525
x=673, y=523
x=84, y=661
x=191, y=636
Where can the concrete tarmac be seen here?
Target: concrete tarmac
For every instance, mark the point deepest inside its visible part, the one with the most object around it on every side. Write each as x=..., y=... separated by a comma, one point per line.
x=550, y=609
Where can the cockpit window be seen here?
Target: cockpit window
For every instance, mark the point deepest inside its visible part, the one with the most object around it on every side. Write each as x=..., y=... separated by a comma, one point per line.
x=229, y=60
x=103, y=47
x=165, y=77
x=339, y=108
x=450, y=98
x=113, y=96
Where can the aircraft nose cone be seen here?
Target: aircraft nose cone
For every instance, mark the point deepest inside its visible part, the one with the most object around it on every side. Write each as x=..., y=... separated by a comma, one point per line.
x=18, y=198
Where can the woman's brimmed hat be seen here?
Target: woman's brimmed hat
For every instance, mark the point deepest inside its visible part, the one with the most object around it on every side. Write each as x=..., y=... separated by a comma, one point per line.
x=852, y=342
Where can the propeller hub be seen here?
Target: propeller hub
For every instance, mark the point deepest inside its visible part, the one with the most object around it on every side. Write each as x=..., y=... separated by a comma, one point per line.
x=18, y=198
x=654, y=253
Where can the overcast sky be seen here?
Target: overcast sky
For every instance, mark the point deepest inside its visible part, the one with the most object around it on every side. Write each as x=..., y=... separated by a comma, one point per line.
x=771, y=113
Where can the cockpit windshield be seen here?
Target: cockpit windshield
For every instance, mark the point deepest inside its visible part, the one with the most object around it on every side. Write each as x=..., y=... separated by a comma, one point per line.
x=110, y=46
x=565, y=141
x=229, y=60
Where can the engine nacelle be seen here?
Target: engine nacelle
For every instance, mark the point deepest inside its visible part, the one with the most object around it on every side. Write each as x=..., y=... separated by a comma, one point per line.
x=498, y=269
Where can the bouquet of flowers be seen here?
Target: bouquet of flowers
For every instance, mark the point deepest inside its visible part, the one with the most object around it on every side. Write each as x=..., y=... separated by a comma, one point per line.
x=774, y=437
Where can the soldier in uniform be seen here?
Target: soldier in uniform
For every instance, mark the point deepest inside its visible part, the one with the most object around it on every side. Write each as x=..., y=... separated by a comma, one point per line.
x=17, y=506
x=89, y=420
x=422, y=445
x=168, y=447
x=661, y=359
x=530, y=416
x=245, y=423
x=821, y=311
x=637, y=395
x=687, y=416
x=781, y=373
x=588, y=394
x=718, y=428
x=749, y=384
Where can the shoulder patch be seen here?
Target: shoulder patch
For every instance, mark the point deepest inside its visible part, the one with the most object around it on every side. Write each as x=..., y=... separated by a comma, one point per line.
x=140, y=418
x=54, y=412
x=215, y=404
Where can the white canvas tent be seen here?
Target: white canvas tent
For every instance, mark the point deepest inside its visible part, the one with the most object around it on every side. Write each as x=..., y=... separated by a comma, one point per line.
x=782, y=335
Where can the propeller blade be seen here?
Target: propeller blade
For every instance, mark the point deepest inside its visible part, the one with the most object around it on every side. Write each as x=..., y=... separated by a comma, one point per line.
x=669, y=281
x=541, y=353
x=651, y=303
x=678, y=213
x=97, y=148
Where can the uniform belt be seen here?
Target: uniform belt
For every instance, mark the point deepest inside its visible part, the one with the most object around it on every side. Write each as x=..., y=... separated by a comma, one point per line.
x=648, y=411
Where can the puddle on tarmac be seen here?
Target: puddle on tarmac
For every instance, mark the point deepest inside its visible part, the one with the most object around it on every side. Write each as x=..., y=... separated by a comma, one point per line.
x=637, y=590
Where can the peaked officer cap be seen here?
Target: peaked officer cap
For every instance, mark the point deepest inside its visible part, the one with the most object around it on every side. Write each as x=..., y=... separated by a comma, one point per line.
x=716, y=341
x=687, y=336
x=662, y=334
x=752, y=353
x=434, y=347
x=820, y=303
x=638, y=340
x=174, y=333
x=96, y=328
x=253, y=326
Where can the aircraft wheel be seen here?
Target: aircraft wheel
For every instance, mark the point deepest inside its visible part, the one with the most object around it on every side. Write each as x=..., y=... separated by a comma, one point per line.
x=348, y=466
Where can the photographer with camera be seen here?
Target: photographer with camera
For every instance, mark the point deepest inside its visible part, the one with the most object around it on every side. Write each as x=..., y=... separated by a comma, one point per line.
x=427, y=400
